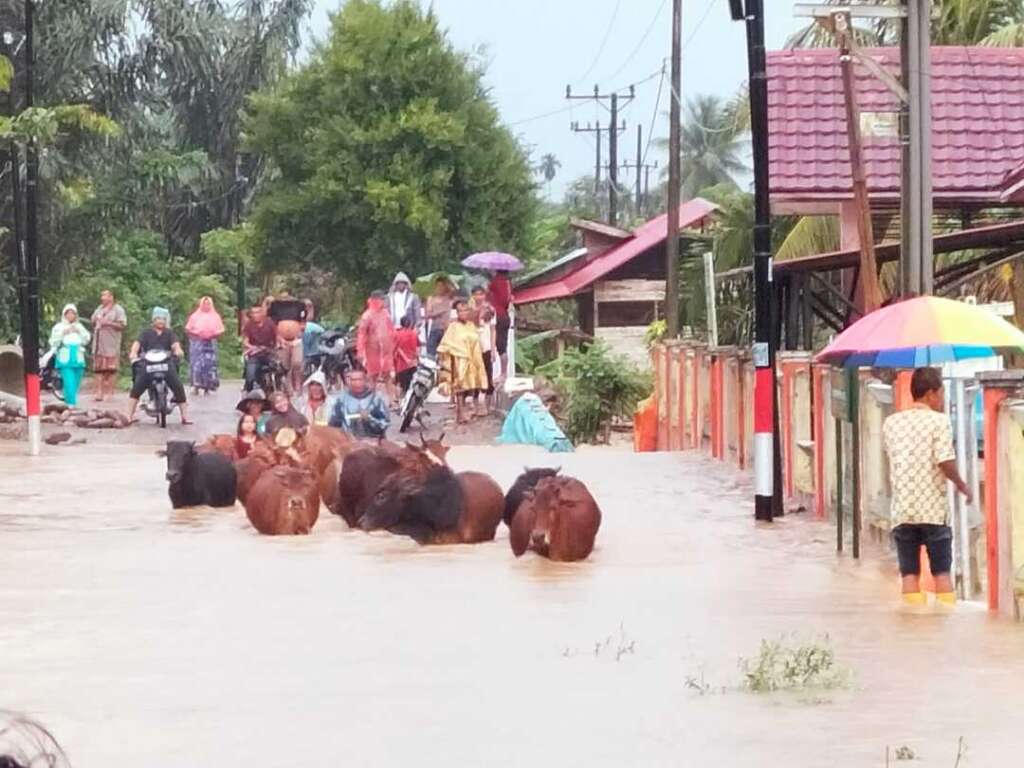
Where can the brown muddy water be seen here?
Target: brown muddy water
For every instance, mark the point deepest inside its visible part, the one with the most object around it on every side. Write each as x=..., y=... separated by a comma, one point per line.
x=144, y=637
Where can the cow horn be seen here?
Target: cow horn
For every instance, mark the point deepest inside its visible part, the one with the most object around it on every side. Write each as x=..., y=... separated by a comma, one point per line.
x=161, y=452
x=423, y=437
x=441, y=438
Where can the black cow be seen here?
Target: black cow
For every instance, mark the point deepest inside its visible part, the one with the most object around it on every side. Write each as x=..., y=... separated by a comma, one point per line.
x=525, y=482
x=417, y=506
x=197, y=478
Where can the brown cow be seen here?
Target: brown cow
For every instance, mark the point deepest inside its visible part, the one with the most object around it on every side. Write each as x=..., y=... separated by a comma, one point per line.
x=284, y=501
x=222, y=444
x=366, y=468
x=324, y=445
x=440, y=507
x=266, y=454
x=558, y=519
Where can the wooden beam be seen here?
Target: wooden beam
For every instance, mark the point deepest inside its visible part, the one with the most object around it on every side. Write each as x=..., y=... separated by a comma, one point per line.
x=868, y=263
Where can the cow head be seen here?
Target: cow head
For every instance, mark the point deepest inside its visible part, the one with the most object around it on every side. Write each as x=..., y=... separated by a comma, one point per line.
x=296, y=487
x=179, y=453
x=388, y=502
x=436, y=448
x=433, y=501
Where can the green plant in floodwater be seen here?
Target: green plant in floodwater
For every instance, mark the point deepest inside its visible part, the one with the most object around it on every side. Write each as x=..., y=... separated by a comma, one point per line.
x=787, y=665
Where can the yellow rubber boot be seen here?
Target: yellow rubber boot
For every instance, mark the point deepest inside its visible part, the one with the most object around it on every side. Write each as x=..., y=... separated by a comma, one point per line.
x=945, y=599
x=913, y=599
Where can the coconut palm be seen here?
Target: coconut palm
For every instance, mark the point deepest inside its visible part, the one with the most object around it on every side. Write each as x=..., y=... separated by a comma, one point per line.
x=709, y=146
x=548, y=168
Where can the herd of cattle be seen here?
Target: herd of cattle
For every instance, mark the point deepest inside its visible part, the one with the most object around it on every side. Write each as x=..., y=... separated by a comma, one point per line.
x=406, y=489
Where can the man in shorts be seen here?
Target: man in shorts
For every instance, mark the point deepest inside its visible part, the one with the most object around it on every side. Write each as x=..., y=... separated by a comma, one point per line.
x=919, y=443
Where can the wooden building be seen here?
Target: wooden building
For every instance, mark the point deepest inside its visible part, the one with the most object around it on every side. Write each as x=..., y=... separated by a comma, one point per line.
x=617, y=278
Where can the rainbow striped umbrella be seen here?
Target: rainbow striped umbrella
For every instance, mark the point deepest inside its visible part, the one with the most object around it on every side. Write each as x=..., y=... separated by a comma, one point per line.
x=926, y=330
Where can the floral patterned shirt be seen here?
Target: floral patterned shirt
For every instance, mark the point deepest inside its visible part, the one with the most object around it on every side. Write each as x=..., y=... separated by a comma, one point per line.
x=917, y=440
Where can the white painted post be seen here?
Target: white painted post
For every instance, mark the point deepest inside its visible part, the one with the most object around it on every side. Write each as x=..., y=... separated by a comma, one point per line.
x=960, y=506
x=511, y=343
x=709, y=297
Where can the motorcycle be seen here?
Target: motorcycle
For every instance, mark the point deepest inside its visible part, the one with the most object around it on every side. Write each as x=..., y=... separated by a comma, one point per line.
x=424, y=379
x=155, y=364
x=271, y=375
x=49, y=377
x=335, y=357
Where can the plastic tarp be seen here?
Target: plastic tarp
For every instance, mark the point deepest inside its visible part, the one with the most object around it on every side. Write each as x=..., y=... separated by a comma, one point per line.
x=530, y=423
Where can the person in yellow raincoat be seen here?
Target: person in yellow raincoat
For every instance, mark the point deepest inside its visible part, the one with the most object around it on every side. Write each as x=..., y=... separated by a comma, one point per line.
x=461, y=345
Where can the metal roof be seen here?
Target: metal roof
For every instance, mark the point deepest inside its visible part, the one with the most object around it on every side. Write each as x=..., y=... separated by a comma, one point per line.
x=977, y=124
x=644, y=237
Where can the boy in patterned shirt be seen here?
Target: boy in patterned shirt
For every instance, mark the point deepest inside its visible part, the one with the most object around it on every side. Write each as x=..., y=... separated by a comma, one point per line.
x=919, y=442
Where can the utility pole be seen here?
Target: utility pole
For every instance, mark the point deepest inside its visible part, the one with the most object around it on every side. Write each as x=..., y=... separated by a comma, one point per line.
x=767, y=463
x=29, y=248
x=647, y=185
x=672, y=239
x=917, y=261
x=643, y=171
x=575, y=128
x=613, y=131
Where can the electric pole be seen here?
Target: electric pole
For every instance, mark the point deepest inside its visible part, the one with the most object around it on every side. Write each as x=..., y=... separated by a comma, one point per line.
x=642, y=169
x=767, y=464
x=917, y=261
x=672, y=240
x=613, y=131
x=29, y=254
x=575, y=128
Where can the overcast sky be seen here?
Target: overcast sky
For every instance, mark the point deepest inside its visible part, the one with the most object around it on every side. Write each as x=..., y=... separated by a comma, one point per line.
x=537, y=47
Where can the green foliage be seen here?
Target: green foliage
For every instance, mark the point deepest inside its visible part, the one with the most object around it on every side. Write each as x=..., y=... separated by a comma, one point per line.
x=137, y=267
x=655, y=333
x=6, y=74
x=596, y=387
x=45, y=124
x=532, y=351
x=710, y=148
x=788, y=665
x=388, y=153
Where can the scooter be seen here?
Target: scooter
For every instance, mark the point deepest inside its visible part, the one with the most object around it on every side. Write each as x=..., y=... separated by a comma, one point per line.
x=49, y=377
x=424, y=379
x=155, y=364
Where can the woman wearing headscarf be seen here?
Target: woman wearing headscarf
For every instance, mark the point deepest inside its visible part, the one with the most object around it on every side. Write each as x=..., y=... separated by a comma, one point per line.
x=375, y=341
x=403, y=302
x=68, y=340
x=204, y=327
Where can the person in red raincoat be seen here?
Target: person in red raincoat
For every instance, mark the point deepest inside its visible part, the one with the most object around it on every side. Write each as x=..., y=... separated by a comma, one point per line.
x=375, y=342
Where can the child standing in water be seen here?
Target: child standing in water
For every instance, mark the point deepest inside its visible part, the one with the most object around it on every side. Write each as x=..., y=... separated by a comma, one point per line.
x=919, y=442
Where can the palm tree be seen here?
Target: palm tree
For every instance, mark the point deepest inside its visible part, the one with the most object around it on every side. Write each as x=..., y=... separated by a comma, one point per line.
x=548, y=168
x=709, y=145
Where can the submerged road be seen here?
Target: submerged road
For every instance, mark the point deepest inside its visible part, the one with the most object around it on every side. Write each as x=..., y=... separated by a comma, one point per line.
x=146, y=637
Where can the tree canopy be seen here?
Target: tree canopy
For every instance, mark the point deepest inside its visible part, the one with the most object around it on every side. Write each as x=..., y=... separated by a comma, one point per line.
x=387, y=153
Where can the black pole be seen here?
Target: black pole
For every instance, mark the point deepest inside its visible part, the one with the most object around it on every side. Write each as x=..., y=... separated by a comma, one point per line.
x=30, y=330
x=767, y=501
x=639, y=160
x=674, y=180
x=613, y=163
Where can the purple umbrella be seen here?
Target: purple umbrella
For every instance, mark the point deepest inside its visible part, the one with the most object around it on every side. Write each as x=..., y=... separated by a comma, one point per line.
x=493, y=260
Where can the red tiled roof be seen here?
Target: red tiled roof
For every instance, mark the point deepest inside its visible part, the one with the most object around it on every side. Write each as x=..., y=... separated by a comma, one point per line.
x=977, y=123
x=644, y=237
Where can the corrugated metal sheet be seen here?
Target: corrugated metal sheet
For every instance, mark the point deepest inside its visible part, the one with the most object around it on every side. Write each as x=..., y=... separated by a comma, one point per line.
x=977, y=122
x=644, y=237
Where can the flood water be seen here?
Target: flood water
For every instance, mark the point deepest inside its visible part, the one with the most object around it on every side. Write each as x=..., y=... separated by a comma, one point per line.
x=143, y=637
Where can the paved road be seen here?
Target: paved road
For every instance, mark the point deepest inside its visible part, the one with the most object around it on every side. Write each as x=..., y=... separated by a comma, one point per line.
x=215, y=413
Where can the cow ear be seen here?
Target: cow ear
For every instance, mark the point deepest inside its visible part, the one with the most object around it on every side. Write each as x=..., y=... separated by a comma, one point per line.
x=161, y=452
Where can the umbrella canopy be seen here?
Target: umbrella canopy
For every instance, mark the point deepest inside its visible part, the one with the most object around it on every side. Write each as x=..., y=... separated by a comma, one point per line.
x=494, y=260
x=923, y=331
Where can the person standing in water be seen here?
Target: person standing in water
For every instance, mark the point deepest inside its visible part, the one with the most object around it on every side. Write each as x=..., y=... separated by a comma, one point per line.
x=108, y=324
x=68, y=339
x=919, y=443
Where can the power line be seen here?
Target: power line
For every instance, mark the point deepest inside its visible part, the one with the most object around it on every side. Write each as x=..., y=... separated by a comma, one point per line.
x=540, y=116
x=604, y=42
x=699, y=24
x=643, y=39
x=654, y=117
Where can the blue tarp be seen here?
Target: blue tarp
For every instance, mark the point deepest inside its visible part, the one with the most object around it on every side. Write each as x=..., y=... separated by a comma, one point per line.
x=530, y=423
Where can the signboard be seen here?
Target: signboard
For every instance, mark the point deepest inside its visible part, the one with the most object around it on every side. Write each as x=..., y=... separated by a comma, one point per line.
x=843, y=387
x=880, y=125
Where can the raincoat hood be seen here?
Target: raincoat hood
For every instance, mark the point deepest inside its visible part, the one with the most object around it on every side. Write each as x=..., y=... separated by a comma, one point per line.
x=401, y=277
x=317, y=377
x=64, y=312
